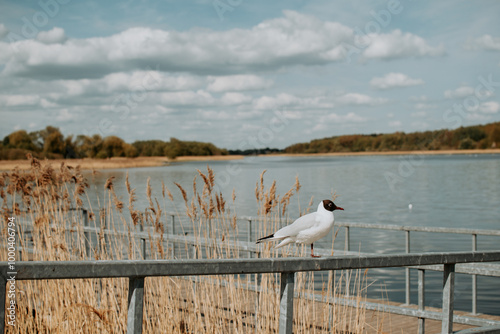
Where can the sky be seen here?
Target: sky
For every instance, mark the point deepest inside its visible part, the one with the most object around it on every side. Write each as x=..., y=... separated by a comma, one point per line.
x=247, y=74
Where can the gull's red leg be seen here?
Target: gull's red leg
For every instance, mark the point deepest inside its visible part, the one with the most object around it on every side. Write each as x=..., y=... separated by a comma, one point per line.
x=312, y=252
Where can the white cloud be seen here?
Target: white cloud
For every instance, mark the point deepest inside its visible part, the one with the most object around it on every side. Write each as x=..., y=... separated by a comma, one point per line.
x=295, y=39
x=270, y=102
x=136, y=83
x=45, y=104
x=395, y=124
x=232, y=98
x=291, y=40
x=334, y=118
x=324, y=101
x=360, y=99
x=65, y=115
x=187, y=98
x=475, y=117
x=238, y=83
x=483, y=112
x=349, y=117
x=214, y=115
x=293, y=114
x=54, y=36
x=397, y=44
x=392, y=80
x=486, y=42
x=490, y=107
x=460, y=92
x=19, y=100
x=148, y=81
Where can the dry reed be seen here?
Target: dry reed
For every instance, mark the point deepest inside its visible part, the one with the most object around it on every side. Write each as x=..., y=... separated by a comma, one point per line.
x=42, y=200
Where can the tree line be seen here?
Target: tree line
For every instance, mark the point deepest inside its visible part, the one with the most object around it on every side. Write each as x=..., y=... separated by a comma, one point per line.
x=52, y=144
x=471, y=137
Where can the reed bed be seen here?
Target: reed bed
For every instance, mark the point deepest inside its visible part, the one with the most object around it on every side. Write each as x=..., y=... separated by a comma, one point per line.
x=46, y=202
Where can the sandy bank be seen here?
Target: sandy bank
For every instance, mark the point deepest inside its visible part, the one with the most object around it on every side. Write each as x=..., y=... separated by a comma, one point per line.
x=114, y=163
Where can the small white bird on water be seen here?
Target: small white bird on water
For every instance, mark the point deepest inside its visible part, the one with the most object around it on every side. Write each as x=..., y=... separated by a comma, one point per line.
x=307, y=229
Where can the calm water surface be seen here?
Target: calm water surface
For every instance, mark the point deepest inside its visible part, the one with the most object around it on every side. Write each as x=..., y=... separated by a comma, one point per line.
x=444, y=191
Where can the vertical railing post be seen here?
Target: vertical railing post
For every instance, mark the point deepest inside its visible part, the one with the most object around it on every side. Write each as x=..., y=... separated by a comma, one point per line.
x=448, y=291
x=407, y=270
x=173, y=224
x=258, y=279
x=421, y=300
x=107, y=244
x=250, y=232
x=135, y=305
x=286, y=302
x=144, y=250
x=173, y=233
x=347, y=247
x=347, y=241
x=86, y=234
x=102, y=215
x=331, y=302
x=249, y=237
x=474, y=278
x=3, y=295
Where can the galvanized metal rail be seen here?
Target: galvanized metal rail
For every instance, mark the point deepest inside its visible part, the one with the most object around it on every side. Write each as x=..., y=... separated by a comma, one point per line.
x=348, y=226
x=252, y=249
x=137, y=270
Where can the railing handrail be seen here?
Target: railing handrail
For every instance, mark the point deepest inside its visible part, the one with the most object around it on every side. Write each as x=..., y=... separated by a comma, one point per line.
x=471, y=269
x=431, y=229
x=145, y=268
x=394, y=227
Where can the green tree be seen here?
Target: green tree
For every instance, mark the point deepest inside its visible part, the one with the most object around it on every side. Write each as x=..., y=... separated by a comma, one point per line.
x=130, y=150
x=112, y=146
x=495, y=136
x=88, y=147
x=466, y=144
x=19, y=139
x=54, y=144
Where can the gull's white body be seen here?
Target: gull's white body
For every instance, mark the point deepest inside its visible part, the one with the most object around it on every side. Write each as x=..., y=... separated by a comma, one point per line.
x=306, y=229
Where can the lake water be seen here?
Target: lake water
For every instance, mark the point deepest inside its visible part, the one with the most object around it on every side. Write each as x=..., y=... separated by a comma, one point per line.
x=460, y=191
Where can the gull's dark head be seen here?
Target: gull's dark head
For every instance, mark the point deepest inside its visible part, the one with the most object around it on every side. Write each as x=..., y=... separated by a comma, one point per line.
x=330, y=206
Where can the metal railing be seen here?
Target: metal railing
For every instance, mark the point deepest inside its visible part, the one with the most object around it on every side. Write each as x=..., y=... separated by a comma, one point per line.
x=137, y=270
x=423, y=229
x=474, y=233
x=251, y=249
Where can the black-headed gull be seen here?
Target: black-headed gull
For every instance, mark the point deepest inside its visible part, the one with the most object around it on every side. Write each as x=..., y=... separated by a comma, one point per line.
x=306, y=229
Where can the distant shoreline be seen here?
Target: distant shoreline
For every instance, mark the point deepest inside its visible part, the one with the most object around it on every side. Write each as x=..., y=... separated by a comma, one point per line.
x=118, y=162
x=420, y=152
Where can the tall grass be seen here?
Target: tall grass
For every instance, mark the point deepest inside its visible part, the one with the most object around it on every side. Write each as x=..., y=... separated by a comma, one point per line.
x=43, y=200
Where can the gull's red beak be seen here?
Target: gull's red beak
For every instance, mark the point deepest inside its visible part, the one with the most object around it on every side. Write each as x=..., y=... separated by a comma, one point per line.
x=339, y=208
